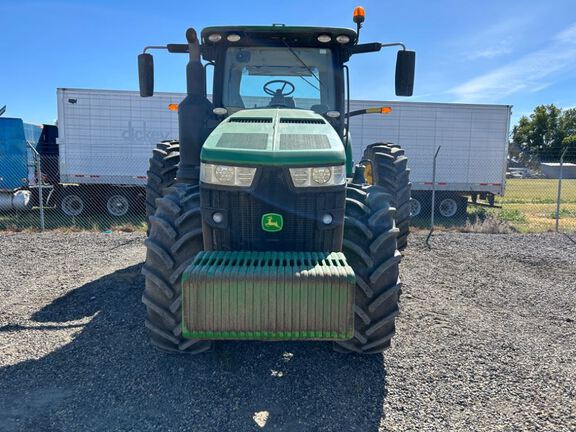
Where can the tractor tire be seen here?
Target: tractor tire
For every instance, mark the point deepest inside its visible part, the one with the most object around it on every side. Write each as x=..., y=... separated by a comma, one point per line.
x=370, y=247
x=174, y=240
x=390, y=172
x=161, y=173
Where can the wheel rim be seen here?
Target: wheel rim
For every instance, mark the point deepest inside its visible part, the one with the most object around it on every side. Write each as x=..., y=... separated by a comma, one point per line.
x=448, y=207
x=415, y=207
x=72, y=205
x=117, y=205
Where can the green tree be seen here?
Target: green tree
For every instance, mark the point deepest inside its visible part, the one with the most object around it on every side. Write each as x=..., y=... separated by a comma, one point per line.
x=541, y=136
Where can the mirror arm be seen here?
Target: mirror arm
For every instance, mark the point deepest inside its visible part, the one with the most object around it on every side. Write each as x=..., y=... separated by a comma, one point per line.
x=172, y=48
x=151, y=47
x=400, y=44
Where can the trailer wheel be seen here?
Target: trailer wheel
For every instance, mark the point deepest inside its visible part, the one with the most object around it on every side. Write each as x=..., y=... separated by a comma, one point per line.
x=174, y=240
x=448, y=207
x=415, y=207
x=72, y=202
x=370, y=247
x=390, y=171
x=161, y=173
x=118, y=204
x=451, y=206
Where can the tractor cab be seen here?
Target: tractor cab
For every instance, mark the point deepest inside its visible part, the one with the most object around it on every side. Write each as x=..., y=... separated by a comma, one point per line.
x=279, y=67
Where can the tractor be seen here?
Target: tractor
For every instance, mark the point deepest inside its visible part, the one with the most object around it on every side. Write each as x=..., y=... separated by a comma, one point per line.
x=261, y=226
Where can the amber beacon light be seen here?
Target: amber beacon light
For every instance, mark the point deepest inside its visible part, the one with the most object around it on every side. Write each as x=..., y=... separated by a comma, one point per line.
x=359, y=15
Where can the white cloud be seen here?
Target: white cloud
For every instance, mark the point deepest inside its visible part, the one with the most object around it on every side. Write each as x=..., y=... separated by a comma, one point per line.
x=568, y=35
x=489, y=53
x=494, y=41
x=530, y=73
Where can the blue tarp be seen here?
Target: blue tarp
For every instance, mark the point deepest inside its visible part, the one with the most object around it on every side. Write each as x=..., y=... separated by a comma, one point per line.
x=14, y=153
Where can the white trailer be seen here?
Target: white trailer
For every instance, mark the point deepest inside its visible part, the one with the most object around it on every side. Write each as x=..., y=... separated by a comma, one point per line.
x=106, y=138
x=472, y=157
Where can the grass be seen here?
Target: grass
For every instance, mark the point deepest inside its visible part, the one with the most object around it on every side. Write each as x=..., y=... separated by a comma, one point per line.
x=53, y=219
x=530, y=204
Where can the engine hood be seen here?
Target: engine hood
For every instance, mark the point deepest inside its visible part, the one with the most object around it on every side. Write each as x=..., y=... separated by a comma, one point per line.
x=274, y=137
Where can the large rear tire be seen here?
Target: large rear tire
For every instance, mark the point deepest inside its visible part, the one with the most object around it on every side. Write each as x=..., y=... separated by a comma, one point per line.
x=161, y=173
x=391, y=172
x=370, y=247
x=174, y=240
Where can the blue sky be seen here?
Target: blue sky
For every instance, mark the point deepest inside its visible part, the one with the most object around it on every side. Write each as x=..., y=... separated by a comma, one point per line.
x=521, y=52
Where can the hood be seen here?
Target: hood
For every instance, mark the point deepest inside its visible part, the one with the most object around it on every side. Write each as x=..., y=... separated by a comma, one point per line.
x=274, y=137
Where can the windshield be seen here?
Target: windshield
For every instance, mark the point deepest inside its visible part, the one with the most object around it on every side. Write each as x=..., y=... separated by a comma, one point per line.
x=264, y=77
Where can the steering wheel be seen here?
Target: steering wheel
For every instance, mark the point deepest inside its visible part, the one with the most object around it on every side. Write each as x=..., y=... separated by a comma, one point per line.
x=280, y=91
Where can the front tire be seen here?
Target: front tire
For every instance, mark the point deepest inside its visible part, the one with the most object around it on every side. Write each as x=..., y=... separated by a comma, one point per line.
x=174, y=240
x=370, y=247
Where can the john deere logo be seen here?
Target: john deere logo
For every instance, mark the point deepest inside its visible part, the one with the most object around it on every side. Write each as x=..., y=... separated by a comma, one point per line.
x=272, y=222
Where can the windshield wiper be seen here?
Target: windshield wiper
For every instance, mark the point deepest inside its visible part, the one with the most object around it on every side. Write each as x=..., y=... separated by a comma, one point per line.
x=305, y=65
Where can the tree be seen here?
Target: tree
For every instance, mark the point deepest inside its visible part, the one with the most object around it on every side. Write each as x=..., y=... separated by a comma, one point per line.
x=542, y=136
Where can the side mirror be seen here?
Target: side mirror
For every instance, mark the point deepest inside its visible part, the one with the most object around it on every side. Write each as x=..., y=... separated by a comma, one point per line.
x=405, y=64
x=146, y=74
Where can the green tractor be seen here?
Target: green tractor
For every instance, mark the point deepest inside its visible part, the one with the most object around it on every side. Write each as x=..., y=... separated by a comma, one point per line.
x=260, y=225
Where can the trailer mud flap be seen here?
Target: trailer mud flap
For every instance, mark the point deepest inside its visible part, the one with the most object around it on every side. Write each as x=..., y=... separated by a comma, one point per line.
x=268, y=295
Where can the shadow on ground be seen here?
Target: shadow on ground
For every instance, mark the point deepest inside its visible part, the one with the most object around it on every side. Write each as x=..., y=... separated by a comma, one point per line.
x=108, y=377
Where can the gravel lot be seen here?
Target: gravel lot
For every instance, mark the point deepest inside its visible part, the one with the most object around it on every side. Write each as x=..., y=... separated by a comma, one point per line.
x=486, y=341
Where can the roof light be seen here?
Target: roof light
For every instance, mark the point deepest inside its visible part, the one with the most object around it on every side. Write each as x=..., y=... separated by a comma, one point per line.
x=343, y=39
x=215, y=37
x=324, y=38
x=233, y=37
x=173, y=107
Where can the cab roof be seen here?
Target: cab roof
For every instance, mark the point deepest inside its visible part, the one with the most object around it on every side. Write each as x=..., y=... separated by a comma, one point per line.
x=274, y=35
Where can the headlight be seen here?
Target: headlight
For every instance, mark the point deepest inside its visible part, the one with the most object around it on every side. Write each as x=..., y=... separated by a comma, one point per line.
x=227, y=175
x=318, y=176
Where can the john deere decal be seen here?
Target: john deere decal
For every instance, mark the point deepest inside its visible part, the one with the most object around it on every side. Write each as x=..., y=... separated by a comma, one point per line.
x=272, y=222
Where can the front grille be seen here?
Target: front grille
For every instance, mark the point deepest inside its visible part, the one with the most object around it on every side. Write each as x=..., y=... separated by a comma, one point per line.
x=302, y=211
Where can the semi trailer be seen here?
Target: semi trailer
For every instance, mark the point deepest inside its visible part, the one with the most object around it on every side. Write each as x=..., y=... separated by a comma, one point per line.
x=105, y=137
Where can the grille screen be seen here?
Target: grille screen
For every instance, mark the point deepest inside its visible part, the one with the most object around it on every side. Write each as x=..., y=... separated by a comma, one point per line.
x=303, y=142
x=253, y=141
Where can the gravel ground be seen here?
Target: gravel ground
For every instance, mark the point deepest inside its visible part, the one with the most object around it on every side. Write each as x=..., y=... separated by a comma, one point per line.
x=486, y=341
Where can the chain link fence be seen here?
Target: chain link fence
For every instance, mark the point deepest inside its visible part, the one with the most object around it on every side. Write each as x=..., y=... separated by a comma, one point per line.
x=536, y=199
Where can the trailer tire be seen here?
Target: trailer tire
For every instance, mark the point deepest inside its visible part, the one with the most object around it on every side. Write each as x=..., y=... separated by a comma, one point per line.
x=118, y=203
x=391, y=172
x=161, y=173
x=451, y=206
x=370, y=247
x=72, y=202
x=174, y=240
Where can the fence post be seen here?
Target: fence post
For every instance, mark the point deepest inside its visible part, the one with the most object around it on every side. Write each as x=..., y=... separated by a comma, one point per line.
x=559, y=189
x=38, y=167
x=433, y=209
